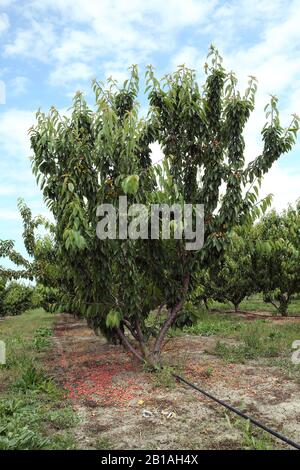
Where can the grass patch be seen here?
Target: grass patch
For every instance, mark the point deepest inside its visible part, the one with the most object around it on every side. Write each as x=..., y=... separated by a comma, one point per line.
x=103, y=444
x=252, y=438
x=20, y=334
x=209, y=325
x=35, y=380
x=31, y=423
x=35, y=417
x=41, y=338
x=254, y=339
x=260, y=339
x=164, y=377
x=291, y=370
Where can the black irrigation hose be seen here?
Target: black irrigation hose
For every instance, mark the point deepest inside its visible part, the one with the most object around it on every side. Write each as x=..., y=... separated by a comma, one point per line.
x=240, y=413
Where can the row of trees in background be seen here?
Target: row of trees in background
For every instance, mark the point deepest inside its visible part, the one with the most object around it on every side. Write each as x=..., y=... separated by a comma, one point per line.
x=40, y=266
x=262, y=258
x=16, y=297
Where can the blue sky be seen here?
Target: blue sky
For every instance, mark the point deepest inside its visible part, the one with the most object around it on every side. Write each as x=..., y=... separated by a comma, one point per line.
x=50, y=49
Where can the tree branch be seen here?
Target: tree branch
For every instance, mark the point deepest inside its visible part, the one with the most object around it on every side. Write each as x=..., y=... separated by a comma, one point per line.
x=172, y=316
x=128, y=325
x=128, y=345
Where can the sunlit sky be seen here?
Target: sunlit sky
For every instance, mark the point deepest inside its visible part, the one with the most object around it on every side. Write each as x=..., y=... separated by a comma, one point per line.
x=50, y=49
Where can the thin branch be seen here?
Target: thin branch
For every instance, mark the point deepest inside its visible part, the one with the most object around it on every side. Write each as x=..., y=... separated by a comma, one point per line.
x=172, y=316
x=128, y=345
x=129, y=327
x=274, y=305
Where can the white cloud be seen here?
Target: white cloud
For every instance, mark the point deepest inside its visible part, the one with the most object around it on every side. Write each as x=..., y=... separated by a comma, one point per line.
x=16, y=178
x=117, y=32
x=283, y=184
x=238, y=20
x=7, y=214
x=26, y=189
x=7, y=189
x=12, y=215
x=5, y=3
x=191, y=57
x=75, y=71
x=4, y=23
x=74, y=45
x=111, y=13
x=35, y=41
x=18, y=84
x=14, y=140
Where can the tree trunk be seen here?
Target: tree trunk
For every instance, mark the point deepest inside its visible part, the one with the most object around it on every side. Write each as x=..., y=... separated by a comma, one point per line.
x=173, y=313
x=126, y=343
x=153, y=358
x=284, y=304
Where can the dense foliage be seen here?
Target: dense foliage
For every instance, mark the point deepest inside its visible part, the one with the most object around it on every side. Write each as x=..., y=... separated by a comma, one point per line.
x=46, y=297
x=277, y=257
x=2, y=293
x=263, y=257
x=17, y=299
x=93, y=157
x=234, y=278
x=42, y=266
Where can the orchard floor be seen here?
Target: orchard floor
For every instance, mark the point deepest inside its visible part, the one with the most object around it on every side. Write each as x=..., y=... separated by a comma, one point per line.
x=120, y=406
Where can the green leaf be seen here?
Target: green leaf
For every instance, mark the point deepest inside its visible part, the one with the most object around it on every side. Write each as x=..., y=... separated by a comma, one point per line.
x=130, y=184
x=113, y=319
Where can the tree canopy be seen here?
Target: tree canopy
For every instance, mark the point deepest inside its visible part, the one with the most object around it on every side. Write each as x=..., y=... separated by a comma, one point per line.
x=277, y=257
x=96, y=155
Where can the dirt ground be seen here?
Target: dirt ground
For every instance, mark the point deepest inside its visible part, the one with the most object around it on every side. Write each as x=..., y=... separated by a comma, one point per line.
x=121, y=407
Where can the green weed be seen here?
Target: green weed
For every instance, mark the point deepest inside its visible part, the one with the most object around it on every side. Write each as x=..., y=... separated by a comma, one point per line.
x=41, y=339
x=164, y=377
x=103, y=444
x=252, y=438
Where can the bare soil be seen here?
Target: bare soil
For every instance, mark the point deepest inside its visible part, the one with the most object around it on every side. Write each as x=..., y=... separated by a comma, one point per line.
x=120, y=406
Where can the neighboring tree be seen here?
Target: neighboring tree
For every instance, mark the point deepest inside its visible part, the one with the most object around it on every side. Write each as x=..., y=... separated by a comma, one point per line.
x=277, y=257
x=42, y=266
x=46, y=297
x=24, y=268
x=233, y=279
x=2, y=294
x=93, y=157
x=17, y=298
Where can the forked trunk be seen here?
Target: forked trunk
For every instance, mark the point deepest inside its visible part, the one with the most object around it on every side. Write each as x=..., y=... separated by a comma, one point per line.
x=173, y=313
x=152, y=358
